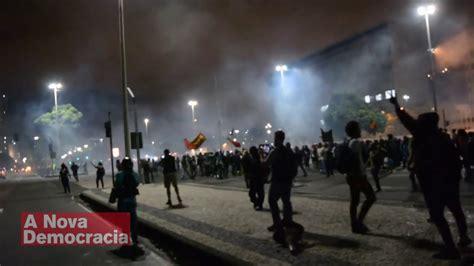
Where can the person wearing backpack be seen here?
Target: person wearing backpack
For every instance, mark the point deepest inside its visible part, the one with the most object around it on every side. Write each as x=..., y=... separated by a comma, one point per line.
x=100, y=173
x=438, y=168
x=284, y=169
x=354, y=167
x=126, y=183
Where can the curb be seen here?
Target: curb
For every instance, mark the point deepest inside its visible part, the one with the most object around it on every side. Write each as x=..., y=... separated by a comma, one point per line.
x=224, y=258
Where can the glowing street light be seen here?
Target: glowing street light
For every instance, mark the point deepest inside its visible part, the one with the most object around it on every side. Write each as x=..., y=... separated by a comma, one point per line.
x=406, y=98
x=426, y=11
x=146, y=120
x=281, y=69
x=193, y=103
x=55, y=87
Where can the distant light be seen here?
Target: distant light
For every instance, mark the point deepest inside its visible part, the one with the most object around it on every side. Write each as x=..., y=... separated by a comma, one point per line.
x=152, y=143
x=87, y=157
x=36, y=138
x=426, y=10
x=237, y=131
x=234, y=139
x=429, y=76
x=281, y=68
x=367, y=99
x=406, y=97
x=155, y=158
x=401, y=108
x=322, y=122
x=101, y=140
x=146, y=120
x=115, y=152
x=69, y=152
x=24, y=159
x=269, y=131
x=192, y=103
x=86, y=146
x=383, y=112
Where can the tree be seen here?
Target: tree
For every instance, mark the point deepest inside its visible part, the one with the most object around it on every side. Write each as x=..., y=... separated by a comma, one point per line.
x=67, y=115
x=346, y=107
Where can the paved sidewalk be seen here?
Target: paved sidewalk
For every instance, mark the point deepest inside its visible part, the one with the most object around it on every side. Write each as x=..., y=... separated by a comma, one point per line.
x=223, y=222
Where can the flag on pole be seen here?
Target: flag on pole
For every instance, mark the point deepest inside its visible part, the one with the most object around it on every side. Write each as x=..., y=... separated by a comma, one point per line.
x=235, y=143
x=196, y=143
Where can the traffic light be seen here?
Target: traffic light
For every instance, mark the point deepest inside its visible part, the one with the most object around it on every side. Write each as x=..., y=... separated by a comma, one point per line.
x=108, y=129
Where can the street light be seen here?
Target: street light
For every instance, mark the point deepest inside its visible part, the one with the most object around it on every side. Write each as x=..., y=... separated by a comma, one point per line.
x=146, y=120
x=426, y=11
x=55, y=87
x=193, y=103
x=406, y=98
x=281, y=69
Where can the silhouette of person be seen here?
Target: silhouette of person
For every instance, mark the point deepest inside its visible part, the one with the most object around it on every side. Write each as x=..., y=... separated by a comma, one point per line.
x=75, y=169
x=100, y=173
x=169, y=173
x=126, y=183
x=438, y=168
x=283, y=169
x=357, y=180
x=64, y=176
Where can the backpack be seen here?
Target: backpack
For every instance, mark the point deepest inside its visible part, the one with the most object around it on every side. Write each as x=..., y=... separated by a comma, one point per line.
x=100, y=171
x=343, y=158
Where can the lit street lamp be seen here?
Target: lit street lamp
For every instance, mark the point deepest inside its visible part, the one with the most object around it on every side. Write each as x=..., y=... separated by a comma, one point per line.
x=146, y=120
x=55, y=87
x=281, y=69
x=193, y=103
x=426, y=11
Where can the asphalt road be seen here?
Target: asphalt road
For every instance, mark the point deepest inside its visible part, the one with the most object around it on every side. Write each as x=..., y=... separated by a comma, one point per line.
x=32, y=194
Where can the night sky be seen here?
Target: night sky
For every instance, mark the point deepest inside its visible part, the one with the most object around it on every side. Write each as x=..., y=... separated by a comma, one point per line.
x=176, y=50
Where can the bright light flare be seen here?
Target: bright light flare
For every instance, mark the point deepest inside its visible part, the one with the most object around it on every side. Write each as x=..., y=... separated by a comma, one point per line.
x=55, y=86
x=192, y=103
x=281, y=68
x=426, y=10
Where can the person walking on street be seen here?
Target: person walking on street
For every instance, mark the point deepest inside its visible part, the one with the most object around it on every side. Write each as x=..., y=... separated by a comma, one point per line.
x=357, y=179
x=283, y=169
x=299, y=159
x=75, y=169
x=254, y=175
x=64, y=176
x=169, y=173
x=126, y=183
x=100, y=173
x=438, y=168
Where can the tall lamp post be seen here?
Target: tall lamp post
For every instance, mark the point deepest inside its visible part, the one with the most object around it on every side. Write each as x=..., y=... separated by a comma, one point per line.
x=56, y=87
x=136, y=129
x=426, y=11
x=193, y=103
x=123, y=61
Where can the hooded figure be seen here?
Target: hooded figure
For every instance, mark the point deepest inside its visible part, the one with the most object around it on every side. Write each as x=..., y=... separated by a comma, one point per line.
x=438, y=168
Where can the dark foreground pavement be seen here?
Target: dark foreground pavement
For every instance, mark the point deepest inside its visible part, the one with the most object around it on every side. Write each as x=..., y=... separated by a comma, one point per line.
x=39, y=195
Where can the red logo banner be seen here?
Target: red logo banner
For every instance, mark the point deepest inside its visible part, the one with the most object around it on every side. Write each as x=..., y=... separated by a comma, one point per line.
x=75, y=229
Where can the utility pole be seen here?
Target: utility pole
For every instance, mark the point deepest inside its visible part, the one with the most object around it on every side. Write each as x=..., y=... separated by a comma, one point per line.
x=126, y=133
x=108, y=133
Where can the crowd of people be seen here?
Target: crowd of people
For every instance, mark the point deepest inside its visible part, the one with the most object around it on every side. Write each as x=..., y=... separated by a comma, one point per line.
x=436, y=162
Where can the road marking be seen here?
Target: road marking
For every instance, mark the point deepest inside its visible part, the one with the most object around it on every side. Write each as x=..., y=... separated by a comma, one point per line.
x=84, y=207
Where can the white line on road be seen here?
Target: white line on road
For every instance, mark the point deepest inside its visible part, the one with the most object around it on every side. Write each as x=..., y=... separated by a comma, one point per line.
x=84, y=207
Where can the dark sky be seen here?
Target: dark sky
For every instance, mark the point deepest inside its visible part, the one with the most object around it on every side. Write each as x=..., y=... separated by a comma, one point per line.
x=176, y=50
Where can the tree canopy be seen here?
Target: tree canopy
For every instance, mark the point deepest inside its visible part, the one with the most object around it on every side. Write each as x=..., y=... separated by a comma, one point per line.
x=67, y=115
x=346, y=107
